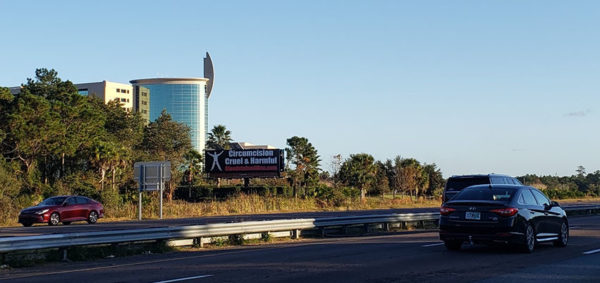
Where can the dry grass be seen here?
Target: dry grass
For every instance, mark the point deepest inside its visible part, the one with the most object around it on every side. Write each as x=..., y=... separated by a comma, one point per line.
x=254, y=204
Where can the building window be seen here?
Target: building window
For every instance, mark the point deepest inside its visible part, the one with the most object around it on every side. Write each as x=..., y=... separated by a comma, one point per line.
x=144, y=94
x=123, y=100
x=127, y=99
x=144, y=102
x=118, y=90
x=83, y=92
x=144, y=111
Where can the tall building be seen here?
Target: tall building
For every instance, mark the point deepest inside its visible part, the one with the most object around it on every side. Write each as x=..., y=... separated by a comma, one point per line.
x=141, y=102
x=185, y=99
x=109, y=91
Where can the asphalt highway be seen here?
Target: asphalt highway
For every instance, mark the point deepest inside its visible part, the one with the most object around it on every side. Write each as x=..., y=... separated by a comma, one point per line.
x=82, y=226
x=397, y=257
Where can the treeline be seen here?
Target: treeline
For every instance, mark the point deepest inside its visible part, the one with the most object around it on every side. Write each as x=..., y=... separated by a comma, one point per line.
x=575, y=186
x=359, y=173
x=54, y=141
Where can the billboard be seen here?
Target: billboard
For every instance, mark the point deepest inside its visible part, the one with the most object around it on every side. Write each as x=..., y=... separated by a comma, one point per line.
x=245, y=163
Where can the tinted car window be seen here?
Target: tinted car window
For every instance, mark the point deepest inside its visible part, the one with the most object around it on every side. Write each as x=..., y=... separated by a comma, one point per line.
x=71, y=201
x=457, y=184
x=541, y=199
x=529, y=199
x=82, y=200
x=53, y=201
x=485, y=193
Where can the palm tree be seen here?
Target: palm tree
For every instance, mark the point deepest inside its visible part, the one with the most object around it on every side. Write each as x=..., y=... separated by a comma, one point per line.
x=219, y=138
x=193, y=160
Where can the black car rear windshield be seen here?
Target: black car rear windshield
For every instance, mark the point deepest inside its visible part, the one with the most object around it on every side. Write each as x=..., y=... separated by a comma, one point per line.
x=486, y=193
x=457, y=184
x=53, y=201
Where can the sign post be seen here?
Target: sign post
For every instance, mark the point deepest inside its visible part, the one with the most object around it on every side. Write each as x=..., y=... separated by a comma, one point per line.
x=160, y=177
x=140, y=192
x=151, y=176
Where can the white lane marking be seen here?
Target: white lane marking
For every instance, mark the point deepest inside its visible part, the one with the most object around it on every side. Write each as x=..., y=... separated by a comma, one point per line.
x=184, y=279
x=432, y=245
x=592, y=252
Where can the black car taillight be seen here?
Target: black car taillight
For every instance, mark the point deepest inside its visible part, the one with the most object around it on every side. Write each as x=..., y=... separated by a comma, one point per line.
x=506, y=212
x=444, y=210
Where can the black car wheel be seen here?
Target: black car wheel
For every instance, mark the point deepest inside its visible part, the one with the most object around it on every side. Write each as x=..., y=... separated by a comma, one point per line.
x=453, y=245
x=27, y=224
x=93, y=217
x=529, y=244
x=54, y=219
x=563, y=238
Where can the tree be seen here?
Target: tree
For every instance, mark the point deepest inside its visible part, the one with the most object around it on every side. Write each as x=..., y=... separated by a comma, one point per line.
x=411, y=176
x=219, y=138
x=193, y=161
x=48, y=85
x=33, y=127
x=580, y=171
x=104, y=154
x=436, y=180
x=303, y=155
x=382, y=182
x=6, y=99
x=336, y=164
x=165, y=139
x=359, y=171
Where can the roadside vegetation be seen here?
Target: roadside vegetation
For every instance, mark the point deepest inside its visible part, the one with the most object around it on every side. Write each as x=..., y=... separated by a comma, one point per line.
x=54, y=141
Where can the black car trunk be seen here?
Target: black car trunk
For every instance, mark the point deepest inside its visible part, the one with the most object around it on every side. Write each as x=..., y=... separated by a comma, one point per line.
x=475, y=212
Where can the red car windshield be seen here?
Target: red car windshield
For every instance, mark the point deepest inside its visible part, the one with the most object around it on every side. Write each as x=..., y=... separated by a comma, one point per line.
x=53, y=201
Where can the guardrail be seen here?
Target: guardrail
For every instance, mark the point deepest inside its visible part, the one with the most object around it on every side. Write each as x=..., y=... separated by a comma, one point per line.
x=582, y=209
x=197, y=232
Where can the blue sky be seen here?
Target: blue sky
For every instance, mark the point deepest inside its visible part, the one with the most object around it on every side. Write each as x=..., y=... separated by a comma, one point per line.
x=473, y=86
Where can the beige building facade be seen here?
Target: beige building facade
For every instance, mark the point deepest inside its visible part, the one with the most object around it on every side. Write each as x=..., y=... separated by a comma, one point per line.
x=109, y=91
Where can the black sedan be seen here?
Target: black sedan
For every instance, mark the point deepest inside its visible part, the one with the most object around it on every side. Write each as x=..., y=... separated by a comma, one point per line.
x=512, y=214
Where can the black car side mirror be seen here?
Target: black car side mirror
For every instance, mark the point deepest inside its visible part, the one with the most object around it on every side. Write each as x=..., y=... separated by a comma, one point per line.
x=551, y=205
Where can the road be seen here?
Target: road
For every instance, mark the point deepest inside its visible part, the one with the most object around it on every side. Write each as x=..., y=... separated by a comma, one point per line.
x=79, y=227
x=398, y=257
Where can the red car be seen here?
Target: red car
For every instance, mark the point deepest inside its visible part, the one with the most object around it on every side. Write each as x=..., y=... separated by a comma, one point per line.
x=65, y=209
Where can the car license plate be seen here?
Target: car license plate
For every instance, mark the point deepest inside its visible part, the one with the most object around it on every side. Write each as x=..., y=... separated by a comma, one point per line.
x=469, y=215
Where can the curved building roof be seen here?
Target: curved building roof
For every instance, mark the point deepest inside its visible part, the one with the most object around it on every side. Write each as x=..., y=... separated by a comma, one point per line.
x=169, y=81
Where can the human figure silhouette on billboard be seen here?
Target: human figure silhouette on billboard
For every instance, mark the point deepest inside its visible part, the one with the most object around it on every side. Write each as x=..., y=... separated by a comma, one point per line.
x=215, y=157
